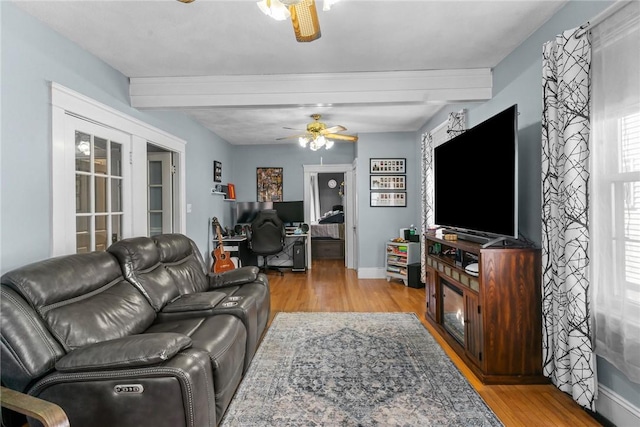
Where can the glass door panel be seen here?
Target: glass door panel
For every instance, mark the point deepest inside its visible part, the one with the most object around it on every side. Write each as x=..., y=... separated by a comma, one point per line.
x=99, y=182
x=160, y=193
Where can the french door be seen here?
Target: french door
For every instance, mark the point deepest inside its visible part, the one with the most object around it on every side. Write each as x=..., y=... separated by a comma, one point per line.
x=101, y=176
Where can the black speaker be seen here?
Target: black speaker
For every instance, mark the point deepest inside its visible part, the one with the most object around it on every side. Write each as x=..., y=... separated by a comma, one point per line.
x=299, y=255
x=413, y=276
x=238, y=229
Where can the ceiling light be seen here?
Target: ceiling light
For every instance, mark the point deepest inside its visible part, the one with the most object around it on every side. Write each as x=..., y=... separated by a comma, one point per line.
x=274, y=9
x=326, y=4
x=317, y=142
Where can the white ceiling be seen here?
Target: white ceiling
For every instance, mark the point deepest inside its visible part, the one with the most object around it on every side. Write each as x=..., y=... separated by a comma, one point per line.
x=243, y=75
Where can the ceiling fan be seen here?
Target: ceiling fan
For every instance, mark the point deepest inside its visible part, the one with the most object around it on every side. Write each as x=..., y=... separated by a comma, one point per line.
x=304, y=16
x=318, y=135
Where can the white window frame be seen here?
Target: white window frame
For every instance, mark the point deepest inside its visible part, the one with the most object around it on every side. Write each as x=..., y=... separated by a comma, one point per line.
x=66, y=103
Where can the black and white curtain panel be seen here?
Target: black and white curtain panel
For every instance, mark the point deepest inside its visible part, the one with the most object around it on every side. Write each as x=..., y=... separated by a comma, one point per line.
x=568, y=353
x=456, y=124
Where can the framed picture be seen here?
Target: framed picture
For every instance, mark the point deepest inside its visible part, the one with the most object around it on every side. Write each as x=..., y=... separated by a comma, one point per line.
x=387, y=182
x=269, y=184
x=394, y=199
x=217, y=171
x=392, y=165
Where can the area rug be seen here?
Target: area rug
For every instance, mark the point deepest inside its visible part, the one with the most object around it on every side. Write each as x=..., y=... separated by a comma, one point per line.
x=354, y=369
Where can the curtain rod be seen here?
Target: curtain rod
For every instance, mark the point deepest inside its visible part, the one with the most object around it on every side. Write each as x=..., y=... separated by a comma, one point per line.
x=604, y=15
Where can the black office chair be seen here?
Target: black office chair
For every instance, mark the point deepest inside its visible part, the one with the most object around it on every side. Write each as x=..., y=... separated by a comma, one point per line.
x=267, y=236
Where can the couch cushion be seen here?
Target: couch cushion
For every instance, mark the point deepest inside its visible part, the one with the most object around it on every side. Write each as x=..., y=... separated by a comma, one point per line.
x=127, y=352
x=140, y=262
x=82, y=298
x=28, y=350
x=183, y=261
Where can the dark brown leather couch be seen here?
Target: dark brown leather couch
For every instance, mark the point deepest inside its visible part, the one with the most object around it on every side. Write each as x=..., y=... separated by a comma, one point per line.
x=140, y=335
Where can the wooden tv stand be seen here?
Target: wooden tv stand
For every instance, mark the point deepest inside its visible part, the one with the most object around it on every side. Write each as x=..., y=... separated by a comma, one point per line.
x=492, y=320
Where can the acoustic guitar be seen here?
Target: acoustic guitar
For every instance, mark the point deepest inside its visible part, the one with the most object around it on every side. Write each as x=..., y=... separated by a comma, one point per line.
x=221, y=260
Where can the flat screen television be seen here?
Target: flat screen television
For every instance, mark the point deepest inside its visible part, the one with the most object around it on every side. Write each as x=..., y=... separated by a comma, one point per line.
x=291, y=213
x=476, y=180
x=247, y=211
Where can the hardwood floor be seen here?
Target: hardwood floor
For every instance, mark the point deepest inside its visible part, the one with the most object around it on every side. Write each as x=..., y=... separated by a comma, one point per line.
x=328, y=286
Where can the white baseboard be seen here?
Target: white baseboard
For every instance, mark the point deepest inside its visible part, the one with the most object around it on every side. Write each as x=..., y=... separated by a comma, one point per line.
x=371, y=273
x=616, y=409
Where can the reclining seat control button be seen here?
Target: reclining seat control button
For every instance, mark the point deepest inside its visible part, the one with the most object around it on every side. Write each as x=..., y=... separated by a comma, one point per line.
x=129, y=389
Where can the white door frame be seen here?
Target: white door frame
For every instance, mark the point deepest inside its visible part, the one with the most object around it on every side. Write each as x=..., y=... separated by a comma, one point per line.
x=350, y=219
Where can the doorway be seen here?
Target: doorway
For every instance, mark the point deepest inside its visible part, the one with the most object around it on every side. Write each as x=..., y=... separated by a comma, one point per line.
x=160, y=191
x=316, y=178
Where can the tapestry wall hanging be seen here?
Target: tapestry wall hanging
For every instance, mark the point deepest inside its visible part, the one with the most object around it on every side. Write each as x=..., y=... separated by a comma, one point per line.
x=269, y=184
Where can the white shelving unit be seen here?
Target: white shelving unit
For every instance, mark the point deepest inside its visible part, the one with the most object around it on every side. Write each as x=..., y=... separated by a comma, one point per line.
x=398, y=255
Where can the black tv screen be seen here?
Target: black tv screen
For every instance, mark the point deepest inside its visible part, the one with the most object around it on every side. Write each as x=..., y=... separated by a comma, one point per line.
x=476, y=178
x=290, y=212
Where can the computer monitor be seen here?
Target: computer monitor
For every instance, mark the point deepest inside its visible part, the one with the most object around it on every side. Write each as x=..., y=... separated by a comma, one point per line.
x=291, y=213
x=247, y=211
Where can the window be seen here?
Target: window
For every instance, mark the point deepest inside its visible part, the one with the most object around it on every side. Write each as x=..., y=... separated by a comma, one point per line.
x=627, y=201
x=615, y=189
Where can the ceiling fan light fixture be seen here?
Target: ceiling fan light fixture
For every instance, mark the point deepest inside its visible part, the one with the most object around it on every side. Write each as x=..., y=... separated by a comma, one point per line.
x=328, y=144
x=274, y=8
x=303, y=141
x=326, y=4
x=304, y=18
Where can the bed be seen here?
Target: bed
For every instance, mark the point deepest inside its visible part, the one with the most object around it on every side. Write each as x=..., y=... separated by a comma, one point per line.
x=327, y=237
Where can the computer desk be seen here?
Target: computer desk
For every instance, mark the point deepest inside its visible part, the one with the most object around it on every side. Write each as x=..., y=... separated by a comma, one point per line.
x=238, y=246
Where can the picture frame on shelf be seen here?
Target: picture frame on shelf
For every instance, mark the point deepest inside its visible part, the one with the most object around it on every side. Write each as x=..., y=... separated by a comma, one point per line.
x=387, y=182
x=396, y=199
x=269, y=184
x=393, y=165
x=217, y=171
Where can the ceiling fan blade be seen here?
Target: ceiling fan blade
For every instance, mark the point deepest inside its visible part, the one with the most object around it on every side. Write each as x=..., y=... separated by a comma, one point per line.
x=333, y=129
x=285, y=127
x=290, y=137
x=304, y=18
x=353, y=138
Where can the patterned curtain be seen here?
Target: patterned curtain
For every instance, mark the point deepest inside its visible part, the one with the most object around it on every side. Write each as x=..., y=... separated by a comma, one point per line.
x=426, y=197
x=568, y=357
x=456, y=124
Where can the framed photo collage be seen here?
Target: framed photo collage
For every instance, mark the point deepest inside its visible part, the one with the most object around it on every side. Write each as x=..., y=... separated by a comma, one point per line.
x=388, y=182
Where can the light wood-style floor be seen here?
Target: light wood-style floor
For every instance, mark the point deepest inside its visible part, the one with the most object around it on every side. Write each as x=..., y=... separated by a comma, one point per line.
x=328, y=286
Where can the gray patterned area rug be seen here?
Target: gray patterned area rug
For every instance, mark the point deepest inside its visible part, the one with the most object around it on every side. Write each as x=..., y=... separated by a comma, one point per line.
x=354, y=369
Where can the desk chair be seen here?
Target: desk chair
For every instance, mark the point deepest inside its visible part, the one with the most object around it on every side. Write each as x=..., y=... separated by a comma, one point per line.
x=267, y=236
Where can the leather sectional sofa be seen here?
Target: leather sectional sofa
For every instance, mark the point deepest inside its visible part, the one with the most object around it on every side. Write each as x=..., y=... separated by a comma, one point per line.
x=140, y=335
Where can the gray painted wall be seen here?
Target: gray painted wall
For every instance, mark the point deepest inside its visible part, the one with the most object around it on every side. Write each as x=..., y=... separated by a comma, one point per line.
x=329, y=197
x=376, y=225
x=246, y=158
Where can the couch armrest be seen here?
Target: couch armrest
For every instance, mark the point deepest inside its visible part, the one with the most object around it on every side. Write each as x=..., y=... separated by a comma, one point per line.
x=194, y=302
x=49, y=414
x=126, y=352
x=238, y=276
